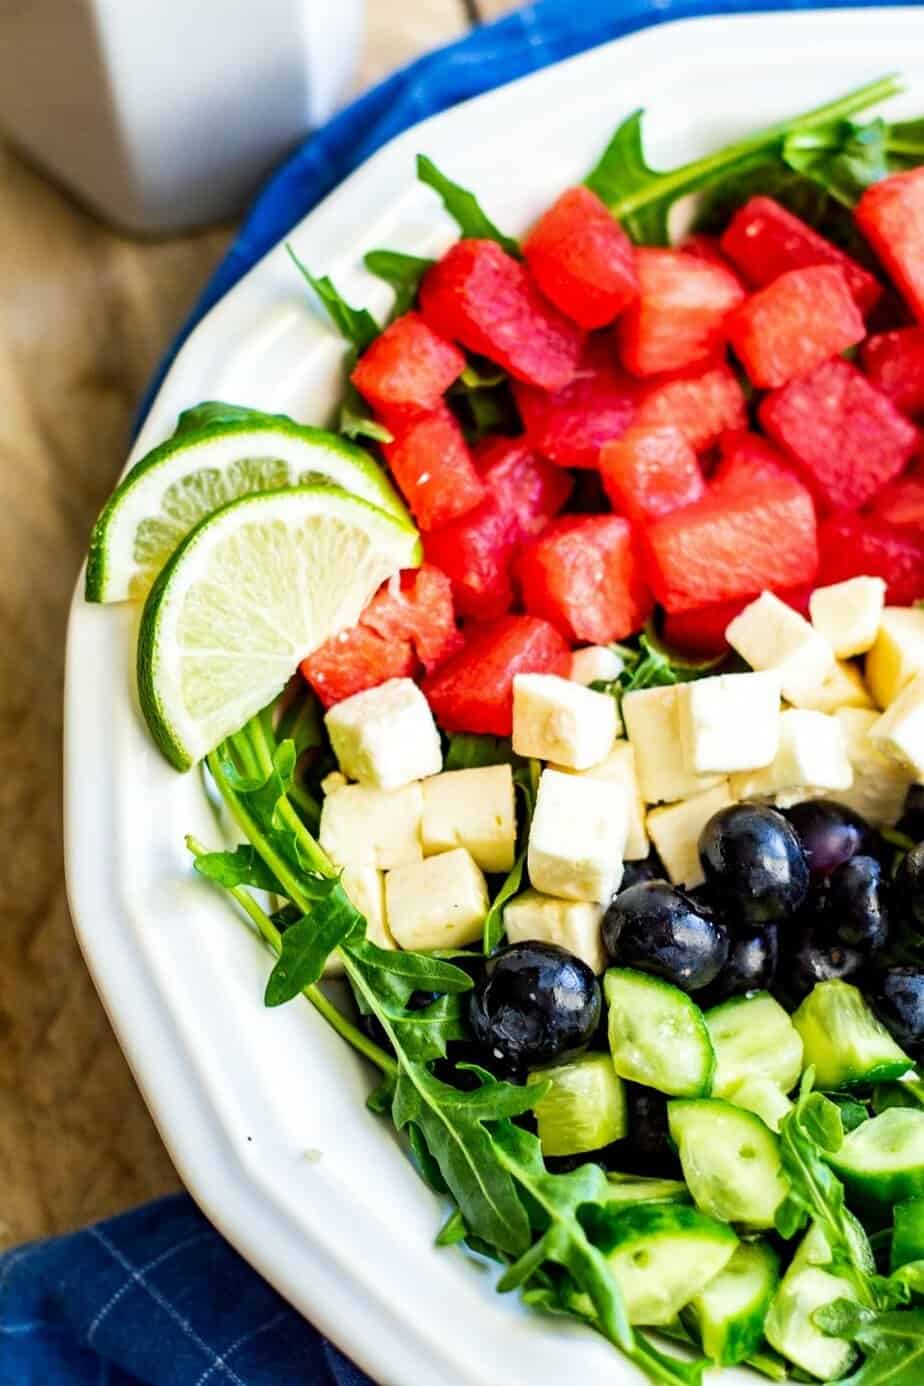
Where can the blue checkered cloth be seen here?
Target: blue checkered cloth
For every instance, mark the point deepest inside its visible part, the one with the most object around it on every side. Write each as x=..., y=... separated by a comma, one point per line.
x=157, y=1296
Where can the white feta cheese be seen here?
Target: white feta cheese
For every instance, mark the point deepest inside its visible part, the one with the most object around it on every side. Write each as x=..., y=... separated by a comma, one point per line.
x=578, y=837
x=899, y=732
x=619, y=766
x=572, y=924
x=438, y=903
x=770, y=635
x=843, y=688
x=897, y=653
x=847, y=614
x=365, y=887
x=372, y=827
x=474, y=809
x=811, y=752
x=555, y=719
x=652, y=726
x=729, y=722
x=335, y=780
x=385, y=736
x=593, y=663
x=879, y=784
x=675, y=828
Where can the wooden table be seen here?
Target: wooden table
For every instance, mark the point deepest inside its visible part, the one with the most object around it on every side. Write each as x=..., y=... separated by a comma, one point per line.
x=84, y=316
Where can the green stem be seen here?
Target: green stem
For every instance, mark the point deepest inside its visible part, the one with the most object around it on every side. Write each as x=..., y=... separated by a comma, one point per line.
x=311, y=851
x=306, y=804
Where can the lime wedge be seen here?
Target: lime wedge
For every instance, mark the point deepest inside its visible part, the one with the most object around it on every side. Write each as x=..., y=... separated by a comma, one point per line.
x=249, y=593
x=169, y=491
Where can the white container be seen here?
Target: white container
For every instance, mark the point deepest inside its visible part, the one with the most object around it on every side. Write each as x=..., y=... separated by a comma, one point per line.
x=166, y=114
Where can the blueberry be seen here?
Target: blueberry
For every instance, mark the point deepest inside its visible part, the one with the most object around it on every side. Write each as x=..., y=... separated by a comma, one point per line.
x=817, y=959
x=648, y=1148
x=754, y=864
x=649, y=868
x=750, y=965
x=658, y=929
x=911, y=822
x=897, y=996
x=534, y=1002
x=908, y=890
x=830, y=834
x=856, y=913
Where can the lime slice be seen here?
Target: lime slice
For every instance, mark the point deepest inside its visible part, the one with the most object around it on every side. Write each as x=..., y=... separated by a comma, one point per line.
x=255, y=588
x=169, y=491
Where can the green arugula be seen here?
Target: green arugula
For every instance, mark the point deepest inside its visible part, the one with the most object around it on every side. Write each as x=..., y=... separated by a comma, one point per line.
x=843, y=157
x=470, y=750
x=647, y=663
x=892, y=1343
x=402, y=273
x=216, y=411
x=526, y=779
x=463, y=207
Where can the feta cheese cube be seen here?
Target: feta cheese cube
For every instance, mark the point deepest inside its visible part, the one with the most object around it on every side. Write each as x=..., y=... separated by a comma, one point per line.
x=555, y=719
x=652, y=726
x=365, y=887
x=843, y=688
x=578, y=837
x=897, y=653
x=899, y=732
x=385, y=736
x=729, y=722
x=594, y=663
x=675, y=828
x=438, y=903
x=619, y=766
x=474, y=809
x=811, y=752
x=572, y=924
x=372, y=827
x=879, y=784
x=847, y=614
x=770, y=635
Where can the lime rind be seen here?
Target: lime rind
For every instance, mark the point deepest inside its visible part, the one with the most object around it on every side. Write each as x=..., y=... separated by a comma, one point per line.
x=170, y=490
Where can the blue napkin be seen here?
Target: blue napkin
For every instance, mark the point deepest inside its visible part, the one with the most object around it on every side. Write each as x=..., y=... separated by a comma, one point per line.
x=157, y=1296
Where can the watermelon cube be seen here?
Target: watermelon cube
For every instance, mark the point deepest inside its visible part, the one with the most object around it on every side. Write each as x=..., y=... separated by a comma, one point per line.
x=733, y=543
x=570, y=426
x=702, y=631
x=746, y=459
x=894, y=361
x=649, y=472
x=523, y=485
x=891, y=216
x=582, y=259
x=584, y=575
x=901, y=503
x=861, y=546
x=356, y=659
x=416, y=606
x=846, y=436
x=763, y=240
x=430, y=461
x=481, y=297
x=679, y=317
x=707, y=248
x=473, y=691
x=407, y=367
x=798, y=321
x=702, y=405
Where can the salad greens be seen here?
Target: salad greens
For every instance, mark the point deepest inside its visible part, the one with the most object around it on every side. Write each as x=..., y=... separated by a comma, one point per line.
x=649, y=664
x=463, y=207
x=402, y=273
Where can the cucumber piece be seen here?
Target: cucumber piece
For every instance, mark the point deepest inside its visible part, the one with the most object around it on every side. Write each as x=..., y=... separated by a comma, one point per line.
x=658, y=1036
x=584, y=1107
x=790, y=1328
x=731, y=1161
x=882, y=1161
x=844, y=1042
x=753, y=1037
x=661, y=1255
x=636, y=1188
x=762, y=1097
x=907, y=1234
x=727, y=1316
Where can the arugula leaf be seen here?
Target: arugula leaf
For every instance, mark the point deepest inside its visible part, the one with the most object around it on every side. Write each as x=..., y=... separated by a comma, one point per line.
x=452, y=1231
x=470, y=750
x=357, y=325
x=307, y=944
x=216, y=411
x=463, y=207
x=844, y=157
x=402, y=273
x=354, y=421
x=892, y=1343
x=243, y=866
x=650, y=664
x=526, y=779
x=481, y=374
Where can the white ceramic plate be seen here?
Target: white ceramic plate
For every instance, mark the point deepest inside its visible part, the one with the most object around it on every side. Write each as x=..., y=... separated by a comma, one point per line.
x=263, y=1111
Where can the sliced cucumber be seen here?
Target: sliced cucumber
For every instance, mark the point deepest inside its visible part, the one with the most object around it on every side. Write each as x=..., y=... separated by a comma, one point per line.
x=844, y=1042
x=584, y=1108
x=907, y=1234
x=657, y=1035
x=762, y=1097
x=728, y=1314
x=790, y=1327
x=731, y=1161
x=753, y=1037
x=814, y=1249
x=636, y=1188
x=882, y=1161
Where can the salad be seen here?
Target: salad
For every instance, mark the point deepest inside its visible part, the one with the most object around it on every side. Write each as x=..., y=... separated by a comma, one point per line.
x=566, y=702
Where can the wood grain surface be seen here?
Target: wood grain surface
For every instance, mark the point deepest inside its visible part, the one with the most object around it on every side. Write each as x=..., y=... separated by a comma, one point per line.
x=84, y=316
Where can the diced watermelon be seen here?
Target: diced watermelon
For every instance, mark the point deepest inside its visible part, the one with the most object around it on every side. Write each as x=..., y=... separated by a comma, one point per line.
x=584, y=575
x=649, y=472
x=901, y=503
x=473, y=691
x=356, y=659
x=481, y=297
x=679, y=318
x=858, y=546
x=707, y=248
x=763, y=240
x=703, y=631
x=847, y=437
x=701, y=405
x=894, y=361
x=891, y=216
x=570, y=426
x=430, y=461
x=798, y=321
x=746, y=458
x=733, y=543
x=524, y=485
x=416, y=606
x=407, y=367
x=582, y=259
